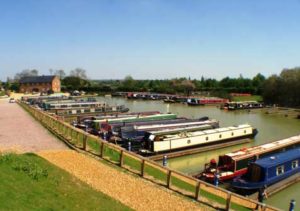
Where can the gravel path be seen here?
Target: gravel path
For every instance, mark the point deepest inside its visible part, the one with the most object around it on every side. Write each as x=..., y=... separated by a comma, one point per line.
x=20, y=131
x=132, y=191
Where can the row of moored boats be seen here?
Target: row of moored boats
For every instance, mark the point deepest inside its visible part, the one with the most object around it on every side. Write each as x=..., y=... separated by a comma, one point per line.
x=152, y=132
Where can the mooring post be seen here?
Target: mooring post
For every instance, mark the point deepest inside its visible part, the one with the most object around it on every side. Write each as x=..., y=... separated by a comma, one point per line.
x=216, y=178
x=165, y=160
x=129, y=145
x=292, y=205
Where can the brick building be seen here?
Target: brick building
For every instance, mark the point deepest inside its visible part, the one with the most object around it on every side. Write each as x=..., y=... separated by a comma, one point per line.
x=40, y=84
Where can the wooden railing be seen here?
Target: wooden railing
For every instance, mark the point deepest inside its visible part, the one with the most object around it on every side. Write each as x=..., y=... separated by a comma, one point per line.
x=174, y=180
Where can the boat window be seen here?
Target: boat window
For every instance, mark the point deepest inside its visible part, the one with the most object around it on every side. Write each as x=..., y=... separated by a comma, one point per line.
x=206, y=138
x=279, y=170
x=220, y=136
x=245, y=131
x=294, y=164
x=232, y=134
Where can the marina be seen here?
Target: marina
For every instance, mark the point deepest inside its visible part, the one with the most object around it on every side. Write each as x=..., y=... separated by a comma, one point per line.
x=183, y=119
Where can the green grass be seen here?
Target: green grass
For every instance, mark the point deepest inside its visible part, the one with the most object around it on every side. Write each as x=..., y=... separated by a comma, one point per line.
x=132, y=163
x=112, y=154
x=156, y=173
x=182, y=184
x=93, y=145
x=2, y=93
x=29, y=182
x=247, y=98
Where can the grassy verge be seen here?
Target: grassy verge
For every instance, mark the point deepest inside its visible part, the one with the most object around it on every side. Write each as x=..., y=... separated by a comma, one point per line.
x=29, y=182
x=247, y=98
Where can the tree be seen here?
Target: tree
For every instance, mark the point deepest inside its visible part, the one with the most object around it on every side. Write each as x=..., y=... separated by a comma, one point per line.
x=188, y=86
x=79, y=72
x=75, y=83
x=60, y=73
x=26, y=73
x=258, y=82
x=283, y=89
x=128, y=84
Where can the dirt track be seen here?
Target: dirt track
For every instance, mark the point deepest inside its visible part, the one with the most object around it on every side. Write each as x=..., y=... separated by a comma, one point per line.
x=18, y=130
x=132, y=191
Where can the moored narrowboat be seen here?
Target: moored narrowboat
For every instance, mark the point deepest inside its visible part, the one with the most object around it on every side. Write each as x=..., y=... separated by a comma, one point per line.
x=269, y=170
x=235, y=163
x=162, y=143
x=137, y=118
x=242, y=105
x=206, y=101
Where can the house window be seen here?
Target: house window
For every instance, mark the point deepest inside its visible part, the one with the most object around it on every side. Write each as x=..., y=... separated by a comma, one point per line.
x=206, y=138
x=245, y=131
x=232, y=134
x=295, y=164
x=220, y=136
x=279, y=170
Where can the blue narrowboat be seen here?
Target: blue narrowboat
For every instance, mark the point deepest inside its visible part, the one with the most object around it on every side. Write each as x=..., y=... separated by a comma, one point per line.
x=269, y=170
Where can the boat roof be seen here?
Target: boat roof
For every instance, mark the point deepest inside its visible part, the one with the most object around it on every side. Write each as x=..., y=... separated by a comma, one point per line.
x=279, y=158
x=133, y=117
x=74, y=103
x=178, y=124
x=207, y=132
x=178, y=130
x=234, y=102
x=252, y=151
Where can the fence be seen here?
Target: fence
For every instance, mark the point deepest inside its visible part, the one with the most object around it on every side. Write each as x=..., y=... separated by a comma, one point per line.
x=174, y=180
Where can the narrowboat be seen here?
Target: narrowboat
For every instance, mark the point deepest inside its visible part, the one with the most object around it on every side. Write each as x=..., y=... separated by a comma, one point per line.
x=213, y=123
x=269, y=170
x=72, y=105
x=194, y=102
x=242, y=105
x=163, y=143
x=137, y=118
x=206, y=101
x=117, y=127
x=235, y=163
x=137, y=137
x=175, y=99
x=90, y=111
x=129, y=132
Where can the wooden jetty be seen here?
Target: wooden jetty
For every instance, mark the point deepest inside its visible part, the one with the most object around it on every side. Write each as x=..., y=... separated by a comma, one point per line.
x=199, y=149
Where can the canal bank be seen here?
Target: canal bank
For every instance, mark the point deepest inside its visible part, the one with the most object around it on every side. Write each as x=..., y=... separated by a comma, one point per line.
x=270, y=128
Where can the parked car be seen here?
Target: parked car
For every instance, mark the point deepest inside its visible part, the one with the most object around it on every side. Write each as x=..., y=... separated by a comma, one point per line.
x=12, y=100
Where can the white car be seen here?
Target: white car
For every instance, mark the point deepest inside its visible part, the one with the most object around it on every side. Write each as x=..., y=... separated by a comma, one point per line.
x=12, y=100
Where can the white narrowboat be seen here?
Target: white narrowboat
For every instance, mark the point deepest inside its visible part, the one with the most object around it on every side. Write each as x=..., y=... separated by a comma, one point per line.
x=161, y=143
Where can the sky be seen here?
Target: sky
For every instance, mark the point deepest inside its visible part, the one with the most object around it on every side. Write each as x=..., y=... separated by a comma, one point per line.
x=150, y=39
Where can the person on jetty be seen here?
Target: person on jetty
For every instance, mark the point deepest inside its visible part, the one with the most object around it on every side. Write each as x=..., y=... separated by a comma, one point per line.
x=262, y=194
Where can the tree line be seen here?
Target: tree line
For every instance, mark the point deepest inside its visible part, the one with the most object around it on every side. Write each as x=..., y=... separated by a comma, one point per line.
x=282, y=89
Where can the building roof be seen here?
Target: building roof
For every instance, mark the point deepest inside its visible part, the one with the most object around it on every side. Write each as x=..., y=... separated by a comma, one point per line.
x=37, y=79
x=279, y=158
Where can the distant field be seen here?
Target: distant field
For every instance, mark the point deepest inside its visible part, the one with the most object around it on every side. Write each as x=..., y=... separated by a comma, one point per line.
x=29, y=182
x=247, y=98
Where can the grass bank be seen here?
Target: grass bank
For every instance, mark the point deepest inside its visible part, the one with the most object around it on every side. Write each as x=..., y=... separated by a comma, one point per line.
x=28, y=182
x=248, y=98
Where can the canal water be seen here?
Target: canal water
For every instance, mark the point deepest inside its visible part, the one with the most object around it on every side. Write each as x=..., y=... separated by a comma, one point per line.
x=270, y=128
